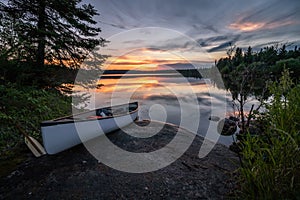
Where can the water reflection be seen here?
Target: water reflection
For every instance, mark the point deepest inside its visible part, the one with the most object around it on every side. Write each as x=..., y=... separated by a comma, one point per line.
x=170, y=93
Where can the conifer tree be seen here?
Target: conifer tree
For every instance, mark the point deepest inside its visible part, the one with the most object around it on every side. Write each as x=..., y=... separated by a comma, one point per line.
x=52, y=31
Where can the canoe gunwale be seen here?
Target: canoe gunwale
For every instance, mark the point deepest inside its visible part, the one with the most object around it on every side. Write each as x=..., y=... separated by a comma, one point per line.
x=73, y=119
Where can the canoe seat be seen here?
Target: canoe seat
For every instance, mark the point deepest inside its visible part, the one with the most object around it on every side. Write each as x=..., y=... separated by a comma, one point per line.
x=103, y=112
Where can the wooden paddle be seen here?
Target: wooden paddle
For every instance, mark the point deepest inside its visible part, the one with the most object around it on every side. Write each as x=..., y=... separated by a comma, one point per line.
x=35, y=147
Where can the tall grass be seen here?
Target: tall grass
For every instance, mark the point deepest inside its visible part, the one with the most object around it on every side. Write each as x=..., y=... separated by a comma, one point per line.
x=271, y=160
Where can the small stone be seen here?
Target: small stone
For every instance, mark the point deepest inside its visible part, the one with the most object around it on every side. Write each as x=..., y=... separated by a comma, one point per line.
x=227, y=127
x=15, y=173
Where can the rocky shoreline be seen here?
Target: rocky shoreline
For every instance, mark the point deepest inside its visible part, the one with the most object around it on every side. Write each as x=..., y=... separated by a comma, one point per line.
x=76, y=174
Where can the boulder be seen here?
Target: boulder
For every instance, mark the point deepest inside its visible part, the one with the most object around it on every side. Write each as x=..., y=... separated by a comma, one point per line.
x=227, y=127
x=234, y=118
x=214, y=118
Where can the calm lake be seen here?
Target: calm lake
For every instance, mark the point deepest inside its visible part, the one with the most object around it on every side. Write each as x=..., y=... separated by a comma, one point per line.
x=172, y=98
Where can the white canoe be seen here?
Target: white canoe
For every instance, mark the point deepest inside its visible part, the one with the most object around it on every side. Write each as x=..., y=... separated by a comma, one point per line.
x=66, y=132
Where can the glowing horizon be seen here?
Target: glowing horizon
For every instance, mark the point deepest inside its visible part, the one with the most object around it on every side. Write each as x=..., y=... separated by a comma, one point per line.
x=154, y=59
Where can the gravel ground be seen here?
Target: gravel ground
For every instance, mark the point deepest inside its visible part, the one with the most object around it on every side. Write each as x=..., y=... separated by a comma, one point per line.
x=76, y=174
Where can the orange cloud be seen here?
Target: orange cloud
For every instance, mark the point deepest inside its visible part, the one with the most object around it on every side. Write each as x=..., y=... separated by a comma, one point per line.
x=247, y=26
x=144, y=59
x=252, y=26
x=149, y=59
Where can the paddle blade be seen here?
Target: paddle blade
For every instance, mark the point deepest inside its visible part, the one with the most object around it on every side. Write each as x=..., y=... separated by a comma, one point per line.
x=37, y=149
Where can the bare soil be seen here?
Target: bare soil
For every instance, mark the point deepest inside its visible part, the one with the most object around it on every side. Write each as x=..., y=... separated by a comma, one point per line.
x=76, y=174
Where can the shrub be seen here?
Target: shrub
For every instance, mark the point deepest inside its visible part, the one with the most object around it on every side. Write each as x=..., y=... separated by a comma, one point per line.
x=271, y=161
x=28, y=106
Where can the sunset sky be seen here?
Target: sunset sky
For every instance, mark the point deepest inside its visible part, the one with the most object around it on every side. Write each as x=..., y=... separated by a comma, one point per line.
x=207, y=25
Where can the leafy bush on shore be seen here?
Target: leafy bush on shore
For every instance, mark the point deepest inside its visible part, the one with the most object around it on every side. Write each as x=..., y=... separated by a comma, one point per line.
x=28, y=106
x=271, y=161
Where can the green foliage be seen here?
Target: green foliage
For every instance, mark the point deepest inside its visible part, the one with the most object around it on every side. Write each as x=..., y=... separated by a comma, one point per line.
x=246, y=75
x=292, y=64
x=60, y=33
x=271, y=161
x=43, y=43
x=244, y=78
x=26, y=74
x=56, y=31
x=28, y=106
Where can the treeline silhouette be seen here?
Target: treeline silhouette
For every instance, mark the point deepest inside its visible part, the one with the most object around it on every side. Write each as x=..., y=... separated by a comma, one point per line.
x=184, y=72
x=271, y=60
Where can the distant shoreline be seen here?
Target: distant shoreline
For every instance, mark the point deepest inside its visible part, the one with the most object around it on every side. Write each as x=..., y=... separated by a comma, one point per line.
x=184, y=72
x=118, y=76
